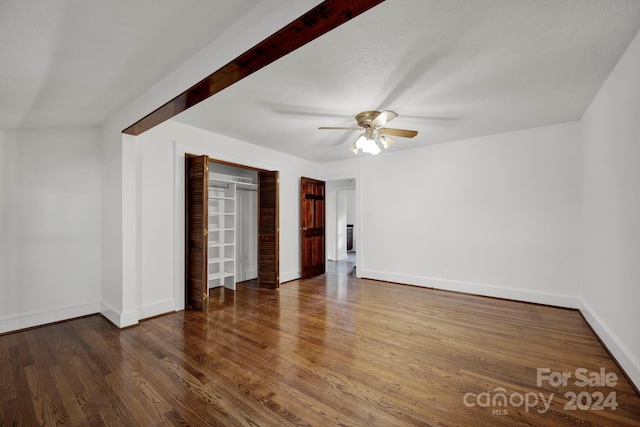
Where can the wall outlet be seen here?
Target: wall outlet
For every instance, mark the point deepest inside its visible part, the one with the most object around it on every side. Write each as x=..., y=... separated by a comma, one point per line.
x=447, y=274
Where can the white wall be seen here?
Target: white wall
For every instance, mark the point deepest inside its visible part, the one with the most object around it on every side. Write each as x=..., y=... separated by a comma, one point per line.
x=611, y=212
x=496, y=215
x=246, y=235
x=341, y=224
x=351, y=207
x=351, y=213
x=160, y=222
x=50, y=238
x=111, y=226
x=330, y=221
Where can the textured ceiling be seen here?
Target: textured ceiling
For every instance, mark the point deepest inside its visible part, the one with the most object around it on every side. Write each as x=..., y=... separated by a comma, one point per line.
x=452, y=69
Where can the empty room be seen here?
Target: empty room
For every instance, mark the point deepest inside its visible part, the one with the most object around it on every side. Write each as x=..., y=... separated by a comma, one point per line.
x=320, y=213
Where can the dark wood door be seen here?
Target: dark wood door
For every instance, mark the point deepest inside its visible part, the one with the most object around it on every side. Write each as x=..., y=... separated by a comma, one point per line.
x=196, y=233
x=312, y=227
x=268, y=230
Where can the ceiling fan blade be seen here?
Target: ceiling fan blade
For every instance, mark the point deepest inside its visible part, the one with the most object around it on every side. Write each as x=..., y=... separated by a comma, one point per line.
x=338, y=128
x=382, y=118
x=403, y=133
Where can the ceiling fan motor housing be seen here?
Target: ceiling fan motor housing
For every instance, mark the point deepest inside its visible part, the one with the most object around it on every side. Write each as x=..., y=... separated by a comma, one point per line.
x=365, y=118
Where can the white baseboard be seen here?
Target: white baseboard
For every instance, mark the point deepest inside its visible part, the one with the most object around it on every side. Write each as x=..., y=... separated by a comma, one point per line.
x=627, y=360
x=156, y=308
x=547, y=298
x=119, y=318
x=29, y=319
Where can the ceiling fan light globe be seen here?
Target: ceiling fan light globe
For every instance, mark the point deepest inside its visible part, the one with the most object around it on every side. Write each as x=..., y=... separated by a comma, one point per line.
x=361, y=142
x=371, y=147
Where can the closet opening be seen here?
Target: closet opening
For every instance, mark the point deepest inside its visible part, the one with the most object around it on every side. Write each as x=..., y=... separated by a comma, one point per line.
x=231, y=228
x=233, y=225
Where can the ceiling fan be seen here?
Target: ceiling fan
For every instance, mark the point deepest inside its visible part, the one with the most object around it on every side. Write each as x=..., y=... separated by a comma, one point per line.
x=374, y=138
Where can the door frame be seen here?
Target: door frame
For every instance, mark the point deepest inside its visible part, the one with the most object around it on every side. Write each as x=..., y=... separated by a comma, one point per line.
x=334, y=188
x=360, y=229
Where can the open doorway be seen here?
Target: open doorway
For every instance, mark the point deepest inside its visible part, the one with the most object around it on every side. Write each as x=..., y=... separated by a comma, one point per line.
x=342, y=225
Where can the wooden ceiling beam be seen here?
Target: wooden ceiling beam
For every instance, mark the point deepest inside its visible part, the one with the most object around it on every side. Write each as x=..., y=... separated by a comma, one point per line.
x=316, y=22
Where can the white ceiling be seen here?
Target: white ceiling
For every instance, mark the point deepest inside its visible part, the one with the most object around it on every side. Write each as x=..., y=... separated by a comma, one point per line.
x=452, y=69
x=66, y=63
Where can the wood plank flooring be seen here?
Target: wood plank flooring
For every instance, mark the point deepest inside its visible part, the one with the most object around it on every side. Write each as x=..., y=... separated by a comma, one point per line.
x=328, y=351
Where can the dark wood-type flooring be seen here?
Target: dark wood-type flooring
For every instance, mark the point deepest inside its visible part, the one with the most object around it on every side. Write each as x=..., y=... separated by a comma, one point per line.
x=328, y=351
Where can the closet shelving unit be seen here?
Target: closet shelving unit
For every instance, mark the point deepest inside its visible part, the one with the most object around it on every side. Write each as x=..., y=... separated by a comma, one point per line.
x=222, y=233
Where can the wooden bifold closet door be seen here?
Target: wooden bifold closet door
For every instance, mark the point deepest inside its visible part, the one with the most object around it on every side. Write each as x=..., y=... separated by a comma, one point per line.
x=196, y=233
x=268, y=230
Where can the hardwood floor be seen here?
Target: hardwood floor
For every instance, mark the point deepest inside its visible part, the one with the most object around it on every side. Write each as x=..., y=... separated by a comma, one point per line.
x=332, y=350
